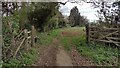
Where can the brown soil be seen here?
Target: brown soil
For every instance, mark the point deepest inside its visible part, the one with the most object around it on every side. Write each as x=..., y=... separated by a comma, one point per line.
x=69, y=34
x=48, y=55
x=55, y=55
x=63, y=59
x=79, y=60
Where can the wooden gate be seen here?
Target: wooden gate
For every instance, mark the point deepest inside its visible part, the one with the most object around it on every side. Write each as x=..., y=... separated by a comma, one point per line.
x=103, y=34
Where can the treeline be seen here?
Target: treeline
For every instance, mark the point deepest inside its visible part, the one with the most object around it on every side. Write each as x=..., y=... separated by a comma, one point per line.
x=19, y=16
x=46, y=16
x=76, y=19
x=42, y=15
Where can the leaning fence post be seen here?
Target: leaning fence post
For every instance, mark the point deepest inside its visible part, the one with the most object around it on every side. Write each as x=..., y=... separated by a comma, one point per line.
x=119, y=46
x=88, y=33
x=33, y=36
x=26, y=39
x=119, y=30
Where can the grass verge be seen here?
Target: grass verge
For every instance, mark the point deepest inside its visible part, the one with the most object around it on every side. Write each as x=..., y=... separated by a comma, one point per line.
x=26, y=59
x=70, y=40
x=31, y=56
x=99, y=53
x=46, y=37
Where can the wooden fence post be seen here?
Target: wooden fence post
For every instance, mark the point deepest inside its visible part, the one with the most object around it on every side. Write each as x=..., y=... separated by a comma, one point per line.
x=26, y=39
x=33, y=36
x=88, y=33
x=119, y=32
x=119, y=44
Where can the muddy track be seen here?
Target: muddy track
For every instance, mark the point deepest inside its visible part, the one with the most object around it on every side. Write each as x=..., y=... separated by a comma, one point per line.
x=63, y=59
x=55, y=55
x=79, y=60
x=48, y=55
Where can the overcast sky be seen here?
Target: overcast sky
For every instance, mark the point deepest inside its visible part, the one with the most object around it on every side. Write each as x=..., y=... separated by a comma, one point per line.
x=84, y=8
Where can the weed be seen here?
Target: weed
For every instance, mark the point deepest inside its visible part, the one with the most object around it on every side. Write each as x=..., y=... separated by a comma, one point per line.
x=47, y=37
x=27, y=59
x=99, y=53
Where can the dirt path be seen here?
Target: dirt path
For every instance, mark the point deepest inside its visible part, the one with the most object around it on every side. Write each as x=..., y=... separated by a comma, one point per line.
x=63, y=59
x=79, y=60
x=48, y=55
x=54, y=55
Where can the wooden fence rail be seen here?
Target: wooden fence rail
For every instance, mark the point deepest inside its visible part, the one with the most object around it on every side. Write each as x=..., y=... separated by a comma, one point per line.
x=28, y=39
x=103, y=34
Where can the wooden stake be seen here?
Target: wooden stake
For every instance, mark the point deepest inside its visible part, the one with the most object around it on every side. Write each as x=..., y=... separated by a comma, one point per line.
x=33, y=36
x=26, y=39
x=88, y=33
x=18, y=48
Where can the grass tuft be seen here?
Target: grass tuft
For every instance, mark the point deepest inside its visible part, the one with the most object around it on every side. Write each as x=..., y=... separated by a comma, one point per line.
x=26, y=59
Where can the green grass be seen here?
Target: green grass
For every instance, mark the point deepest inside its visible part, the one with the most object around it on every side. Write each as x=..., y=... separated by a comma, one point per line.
x=68, y=42
x=54, y=33
x=31, y=56
x=46, y=37
x=26, y=59
x=99, y=53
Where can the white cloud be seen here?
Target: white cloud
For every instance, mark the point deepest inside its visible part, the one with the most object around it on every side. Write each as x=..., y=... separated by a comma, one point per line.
x=85, y=9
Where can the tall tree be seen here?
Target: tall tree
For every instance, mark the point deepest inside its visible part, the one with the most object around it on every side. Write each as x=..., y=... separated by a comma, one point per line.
x=42, y=14
x=74, y=16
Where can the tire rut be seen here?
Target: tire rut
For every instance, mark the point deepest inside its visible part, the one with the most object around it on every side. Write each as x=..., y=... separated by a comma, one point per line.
x=63, y=59
x=55, y=55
